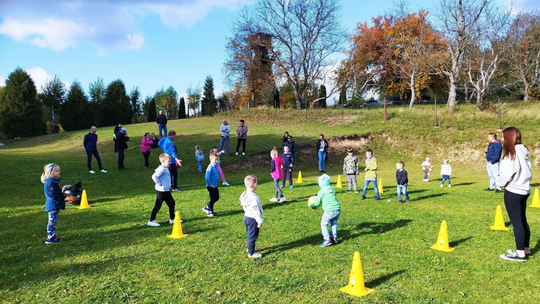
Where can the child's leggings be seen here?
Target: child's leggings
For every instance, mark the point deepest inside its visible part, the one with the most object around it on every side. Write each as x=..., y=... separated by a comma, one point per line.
x=276, y=188
x=169, y=200
x=220, y=173
x=286, y=173
x=51, y=225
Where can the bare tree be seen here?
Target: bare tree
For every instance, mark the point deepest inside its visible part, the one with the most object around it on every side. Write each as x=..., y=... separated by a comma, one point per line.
x=460, y=22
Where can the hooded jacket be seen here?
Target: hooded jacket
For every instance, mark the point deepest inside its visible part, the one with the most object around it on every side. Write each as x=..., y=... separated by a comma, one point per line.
x=326, y=195
x=53, y=194
x=275, y=167
x=493, y=155
x=168, y=148
x=350, y=165
x=252, y=205
x=162, y=178
x=515, y=174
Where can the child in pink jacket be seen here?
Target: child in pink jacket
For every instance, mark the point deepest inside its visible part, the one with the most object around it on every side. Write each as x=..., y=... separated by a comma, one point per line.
x=275, y=172
x=146, y=148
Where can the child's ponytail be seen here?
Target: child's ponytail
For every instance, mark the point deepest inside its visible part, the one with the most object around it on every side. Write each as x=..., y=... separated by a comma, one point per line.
x=47, y=169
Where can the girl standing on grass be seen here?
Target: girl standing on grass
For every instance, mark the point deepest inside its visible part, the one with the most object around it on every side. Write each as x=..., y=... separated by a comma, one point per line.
x=199, y=155
x=515, y=176
x=220, y=171
x=446, y=170
x=322, y=152
x=55, y=199
x=146, y=148
x=275, y=172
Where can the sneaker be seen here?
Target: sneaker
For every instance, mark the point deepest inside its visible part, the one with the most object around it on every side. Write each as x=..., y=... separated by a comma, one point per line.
x=400, y=201
x=334, y=240
x=355, y=191
x=103, y=171
x=273, y=199
x=325, y=244
x=291, y=187
x=281, y=200
x=449, y=186
x=236, y=153
x=153, y=223
x=243, y=153
x=442, y=185
x=513, y=252
x=426, y=180
x=255, y=255
x=92, y=171
x=377, y=198
x=489, y=189
x=282, y=186
x=205, y=209
x=226, y=184
x=498, y=191
x=408, y=201
x=176, y=189
x=513, y=257
x=172, y=222
x=363, y=197
x=53, y=240
x=211, y=214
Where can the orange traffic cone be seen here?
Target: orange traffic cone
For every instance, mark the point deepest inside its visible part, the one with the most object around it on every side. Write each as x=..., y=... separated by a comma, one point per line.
x=499, y=220
x=442, y=239
x=356, y=285
x=379, y=182
x=536, y=200
x=84, y=201
x=299, y=180
x=338, y=184
x=177, y=227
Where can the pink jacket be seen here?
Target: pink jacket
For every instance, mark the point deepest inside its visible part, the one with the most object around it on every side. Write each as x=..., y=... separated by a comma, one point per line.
x=277, y=167
x=146, y=143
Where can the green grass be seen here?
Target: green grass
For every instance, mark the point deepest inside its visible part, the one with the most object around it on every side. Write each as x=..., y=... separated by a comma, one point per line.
x=109, y=255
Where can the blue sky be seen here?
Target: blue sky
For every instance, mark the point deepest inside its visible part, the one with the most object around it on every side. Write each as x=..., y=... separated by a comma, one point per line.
x=151, y=44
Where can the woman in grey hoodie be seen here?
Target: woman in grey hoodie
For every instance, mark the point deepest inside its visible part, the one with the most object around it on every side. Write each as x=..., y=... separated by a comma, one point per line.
x=515, y=176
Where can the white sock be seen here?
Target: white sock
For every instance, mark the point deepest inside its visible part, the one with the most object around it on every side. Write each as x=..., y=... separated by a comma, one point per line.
x=521, y=253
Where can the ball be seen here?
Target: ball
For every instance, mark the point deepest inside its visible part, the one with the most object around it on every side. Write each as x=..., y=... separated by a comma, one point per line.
x=311, y=201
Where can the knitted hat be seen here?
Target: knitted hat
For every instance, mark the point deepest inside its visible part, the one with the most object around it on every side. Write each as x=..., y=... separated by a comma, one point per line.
x=324, y=180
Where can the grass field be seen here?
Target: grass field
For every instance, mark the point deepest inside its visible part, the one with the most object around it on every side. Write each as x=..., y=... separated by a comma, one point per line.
x=109, y=254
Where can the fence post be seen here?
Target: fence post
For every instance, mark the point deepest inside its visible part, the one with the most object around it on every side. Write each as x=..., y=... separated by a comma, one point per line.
x=499, y=113
x=436, y=126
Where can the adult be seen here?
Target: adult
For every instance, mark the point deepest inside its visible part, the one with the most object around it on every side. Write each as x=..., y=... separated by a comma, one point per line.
x=242, y=136
x=493, y=156
x=90, y=145
x=322, y=152
x=168, y=147
x=161, y=121
x=291, y=144
x=515, y=176
x=155, y=140
x=225, y=129
x=146, y=148
x=285, y=138
x=117, y=129
x=121, y=145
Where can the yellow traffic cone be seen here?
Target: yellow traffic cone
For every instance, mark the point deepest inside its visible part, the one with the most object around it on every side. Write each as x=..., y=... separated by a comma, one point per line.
x=499, y=220
x=442, y=239
x=84, y=201
x=379, y=182
x=177, y=227
x=356, y=285
x=299, y=180
x=536, y=200
x=338, y=184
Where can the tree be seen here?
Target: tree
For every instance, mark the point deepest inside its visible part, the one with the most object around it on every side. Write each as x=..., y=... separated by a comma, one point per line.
x=194, y=97
x=53, y=95
x=134, y=98
x=209, y=98
x=97, y=92
x=182, y=108
x=166, y=100
x=20, y=110
x=322, y=96
x=116, y=107
x=152, y=114
x=74, y=111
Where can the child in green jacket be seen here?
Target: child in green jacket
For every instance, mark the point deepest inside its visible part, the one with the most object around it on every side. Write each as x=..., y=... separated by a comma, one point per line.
x=371, y=175
x=332, y=210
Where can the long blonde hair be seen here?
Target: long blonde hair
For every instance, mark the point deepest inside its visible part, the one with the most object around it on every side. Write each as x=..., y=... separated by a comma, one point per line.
x=47, y=169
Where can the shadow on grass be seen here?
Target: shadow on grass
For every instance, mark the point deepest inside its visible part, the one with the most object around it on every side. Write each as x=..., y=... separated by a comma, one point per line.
x=536, y=247
x=457, y=242
x=381, y=280
x=463, y=184
x=430, y=196
x=535, y=185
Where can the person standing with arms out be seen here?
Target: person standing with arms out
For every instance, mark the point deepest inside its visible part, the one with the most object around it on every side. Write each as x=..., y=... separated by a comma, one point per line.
x=146, y=148
x=168, y=147
x=121, y=145
x=515, y=176
x=90, y=145
x=55, y=200
x=493, y=156
x=225, y=129
x=242, y=136
x=161, y=120
x=322, y=152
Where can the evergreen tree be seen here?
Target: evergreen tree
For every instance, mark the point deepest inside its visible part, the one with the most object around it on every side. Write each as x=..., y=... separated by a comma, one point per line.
x=52, y=97
x=74, y=111
x=209, y=98
x=134, y=98
x=152, y=114
x=322, y=94
x=166, y=100
x=276, y=98
x=182, y=108
x=116, y=105
x=20, y=110
x=97, y=92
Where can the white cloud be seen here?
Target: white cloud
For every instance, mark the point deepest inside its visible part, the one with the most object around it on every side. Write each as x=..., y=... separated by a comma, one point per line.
x=2, y=81
x=40, y=77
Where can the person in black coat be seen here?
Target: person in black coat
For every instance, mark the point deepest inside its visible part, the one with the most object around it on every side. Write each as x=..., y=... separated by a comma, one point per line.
x=161, y=120
x=90, y=145
x=121, y=145
x=116, y=130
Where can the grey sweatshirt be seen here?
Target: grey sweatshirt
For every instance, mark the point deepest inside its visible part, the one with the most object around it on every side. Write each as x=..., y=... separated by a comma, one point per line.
x=162, y=178
x=515, y=174
x=252, y=205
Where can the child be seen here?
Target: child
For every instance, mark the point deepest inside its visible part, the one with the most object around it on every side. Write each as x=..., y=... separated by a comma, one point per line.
x=211, y=178
x=55, y=199
x=252, y=214
x=332, y=210
x=446, y=170
x=162, y=178
x=371, y=175
x=215, y=150
x=199, y=156
x=350, y=168
x=427, y=167
x=146, y=148
x=286, y=172
x=275, y=172
x=401, y=180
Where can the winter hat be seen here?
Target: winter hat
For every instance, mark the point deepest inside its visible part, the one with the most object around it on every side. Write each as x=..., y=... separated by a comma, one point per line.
x=124, y=129
x=324, y=180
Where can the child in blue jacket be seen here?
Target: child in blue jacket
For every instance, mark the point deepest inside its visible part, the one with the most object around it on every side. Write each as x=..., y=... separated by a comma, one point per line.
x=55, y=199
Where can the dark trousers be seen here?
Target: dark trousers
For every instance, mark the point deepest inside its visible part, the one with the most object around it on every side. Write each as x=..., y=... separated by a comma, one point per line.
x=214, y=197
x=173, y=170
x=146, y=156
x=515, y=206
x=252, y=233
x=120, y=158
x=89, y=154
x=169, y=200
x=286, y=173
x=243, y=141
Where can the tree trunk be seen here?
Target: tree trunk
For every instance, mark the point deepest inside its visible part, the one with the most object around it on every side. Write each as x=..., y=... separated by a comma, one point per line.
x=53, y=122
x=479, y=101
x=526, y=92
x=454, y=73
x=413, y=92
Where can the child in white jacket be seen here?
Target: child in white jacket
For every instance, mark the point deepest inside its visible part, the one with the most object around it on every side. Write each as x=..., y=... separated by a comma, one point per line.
x=446, y=170
x=252, y=214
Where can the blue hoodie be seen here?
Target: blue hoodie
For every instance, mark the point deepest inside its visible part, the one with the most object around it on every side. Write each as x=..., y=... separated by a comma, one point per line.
x=168, y=148
x=211, y=176
x=53, y=194
x=493, y=155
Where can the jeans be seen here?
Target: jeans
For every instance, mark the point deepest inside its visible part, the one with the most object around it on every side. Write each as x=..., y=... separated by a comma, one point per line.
x=493, y=172
x=51, y=224
x=445, y=177
x=214, y=197
x=169, y=200
x=199, y=163
x=277, y=190
x=330, y=217
x=89, y=154
x=164, y=128
x=366, y=184
x=516, y=205
x=403, y=189
x=252, y=233
x=425, y=174
x=322, y=157
x=224, y=143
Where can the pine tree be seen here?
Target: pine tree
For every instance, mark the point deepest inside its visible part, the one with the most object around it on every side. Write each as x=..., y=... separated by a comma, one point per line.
x=20, y=111
x=209, y=98
x=116, y=105
x=151, y=116
x=74, y=111
x=52, y=97
x=182, y=108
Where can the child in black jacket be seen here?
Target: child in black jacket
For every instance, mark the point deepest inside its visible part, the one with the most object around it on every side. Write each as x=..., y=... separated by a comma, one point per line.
x=402, y=180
